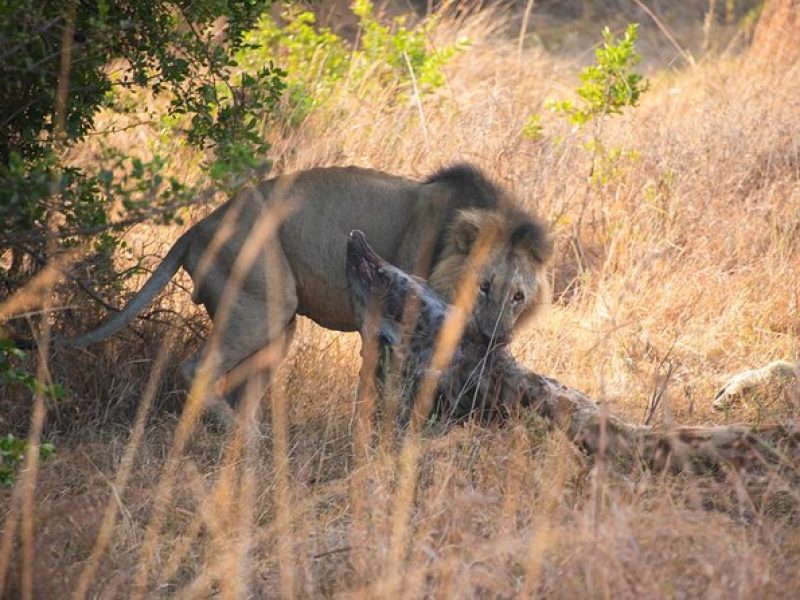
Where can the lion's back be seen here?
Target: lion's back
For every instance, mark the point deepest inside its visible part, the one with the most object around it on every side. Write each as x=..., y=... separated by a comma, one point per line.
x=407, y=221
x=330, y=203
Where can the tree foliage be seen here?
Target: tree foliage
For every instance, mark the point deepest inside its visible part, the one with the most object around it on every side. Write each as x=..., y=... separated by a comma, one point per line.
x=322, y=65
x=181, y=50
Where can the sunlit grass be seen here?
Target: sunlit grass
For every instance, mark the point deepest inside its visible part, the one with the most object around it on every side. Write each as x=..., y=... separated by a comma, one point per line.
x=691, y=260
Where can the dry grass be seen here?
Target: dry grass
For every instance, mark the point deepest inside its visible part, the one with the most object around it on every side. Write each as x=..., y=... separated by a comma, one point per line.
x=691, y=260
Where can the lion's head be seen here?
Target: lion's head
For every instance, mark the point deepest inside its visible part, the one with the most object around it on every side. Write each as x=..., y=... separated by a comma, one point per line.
x=511, y=283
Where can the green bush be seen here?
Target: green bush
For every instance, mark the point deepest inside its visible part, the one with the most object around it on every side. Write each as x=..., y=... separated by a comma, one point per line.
x=171, y=49
x=610, y=84
x=12, y=453
x=63, y=63
x=321, y=64
x=12, y=375
x=607, y=87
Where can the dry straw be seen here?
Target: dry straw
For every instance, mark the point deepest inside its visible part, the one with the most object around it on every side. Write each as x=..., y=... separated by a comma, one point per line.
x=691, y=251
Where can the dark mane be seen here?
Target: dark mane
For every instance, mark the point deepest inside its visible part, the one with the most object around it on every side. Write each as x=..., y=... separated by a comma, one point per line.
x=468, y=188
x=469, y=184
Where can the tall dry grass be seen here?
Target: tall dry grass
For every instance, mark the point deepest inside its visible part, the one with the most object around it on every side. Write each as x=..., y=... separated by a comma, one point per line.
x=689, y=269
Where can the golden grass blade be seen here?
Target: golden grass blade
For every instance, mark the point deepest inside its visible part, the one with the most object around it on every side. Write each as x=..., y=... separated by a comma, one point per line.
x=89, y=572
x=203, y=384
x=408, y=462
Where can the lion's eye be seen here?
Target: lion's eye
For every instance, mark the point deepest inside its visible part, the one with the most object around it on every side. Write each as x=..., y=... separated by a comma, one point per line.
x=519, y=297
x=485, y=287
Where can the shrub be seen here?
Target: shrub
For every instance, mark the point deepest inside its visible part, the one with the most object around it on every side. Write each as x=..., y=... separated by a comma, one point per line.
x=609, y=85
x=181, y=52
x=321, y=64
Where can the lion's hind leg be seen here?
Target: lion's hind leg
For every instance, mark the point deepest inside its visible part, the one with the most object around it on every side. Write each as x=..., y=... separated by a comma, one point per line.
x=241, y=364
x=250, y=335
x=254, y=372
x=203, y=382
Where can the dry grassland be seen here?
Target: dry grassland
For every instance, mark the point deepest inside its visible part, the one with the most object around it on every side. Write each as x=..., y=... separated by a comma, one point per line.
x=691, y=256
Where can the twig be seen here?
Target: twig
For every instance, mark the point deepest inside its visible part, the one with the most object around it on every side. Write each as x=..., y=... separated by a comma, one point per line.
x=150, y=316
x=334, y=551
x=418, y=102
x=655, y=399
x=522, y=31
x=76, y=280
x=658, y=394
x=684, y=53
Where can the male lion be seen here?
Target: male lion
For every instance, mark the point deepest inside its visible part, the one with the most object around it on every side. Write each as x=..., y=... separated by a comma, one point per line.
x=477, y=379
x=426, y=228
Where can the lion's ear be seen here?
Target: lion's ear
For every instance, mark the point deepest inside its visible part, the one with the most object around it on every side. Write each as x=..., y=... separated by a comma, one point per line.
x=466, y=228
x=533, y=238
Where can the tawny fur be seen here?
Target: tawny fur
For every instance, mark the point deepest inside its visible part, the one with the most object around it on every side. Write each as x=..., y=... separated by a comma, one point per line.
x=277, y=250
x=516, y=263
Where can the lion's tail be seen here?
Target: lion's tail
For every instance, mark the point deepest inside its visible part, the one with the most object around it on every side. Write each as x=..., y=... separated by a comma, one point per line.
x=157, y=282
